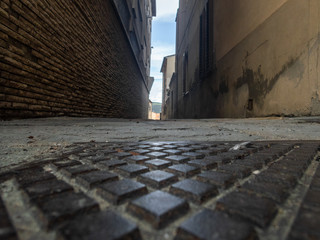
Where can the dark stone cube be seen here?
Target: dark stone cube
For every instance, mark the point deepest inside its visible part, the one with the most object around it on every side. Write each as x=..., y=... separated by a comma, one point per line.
x=157, y=179
x=214, y=225
x=193, y=190
x=120, y=191
x=158, y=208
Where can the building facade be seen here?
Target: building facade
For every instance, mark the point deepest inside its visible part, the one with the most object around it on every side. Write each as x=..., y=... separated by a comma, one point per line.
x=75, y=58
x=247, y=58
x=167, y=70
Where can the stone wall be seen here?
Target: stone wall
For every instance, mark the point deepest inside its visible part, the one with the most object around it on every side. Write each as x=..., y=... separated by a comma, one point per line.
x=68, y=58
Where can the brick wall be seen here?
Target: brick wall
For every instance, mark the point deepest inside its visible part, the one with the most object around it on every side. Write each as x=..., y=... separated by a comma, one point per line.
x=67, y=57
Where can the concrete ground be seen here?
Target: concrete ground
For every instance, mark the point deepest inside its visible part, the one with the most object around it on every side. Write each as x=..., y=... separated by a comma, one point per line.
x=24, y=140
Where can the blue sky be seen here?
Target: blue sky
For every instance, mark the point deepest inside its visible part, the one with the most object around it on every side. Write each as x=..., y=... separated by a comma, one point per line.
x=163, y=42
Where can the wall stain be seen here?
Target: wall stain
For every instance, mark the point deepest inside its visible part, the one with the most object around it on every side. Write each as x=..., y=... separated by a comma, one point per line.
x=259, y=86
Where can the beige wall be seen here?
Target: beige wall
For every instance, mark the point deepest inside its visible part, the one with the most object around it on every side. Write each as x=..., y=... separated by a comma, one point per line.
x=275, y=65
x=265, y=50
x=167, y=69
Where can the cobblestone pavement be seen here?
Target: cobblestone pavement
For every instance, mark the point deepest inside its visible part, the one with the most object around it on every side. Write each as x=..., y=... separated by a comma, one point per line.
x=166, y=190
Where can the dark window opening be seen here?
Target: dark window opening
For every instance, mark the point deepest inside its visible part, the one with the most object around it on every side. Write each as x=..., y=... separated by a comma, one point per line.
x=206, y=54
x=250, y=104
x=185, y=72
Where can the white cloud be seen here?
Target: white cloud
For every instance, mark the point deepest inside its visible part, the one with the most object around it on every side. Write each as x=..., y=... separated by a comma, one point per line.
x=156, y=91
x=159, y=51
x=166, y=10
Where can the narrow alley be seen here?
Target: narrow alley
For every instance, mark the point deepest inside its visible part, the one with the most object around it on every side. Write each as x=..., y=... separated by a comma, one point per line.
x=236, y=89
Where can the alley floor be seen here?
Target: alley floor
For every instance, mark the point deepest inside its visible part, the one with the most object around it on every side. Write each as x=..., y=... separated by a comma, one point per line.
x=71, y=178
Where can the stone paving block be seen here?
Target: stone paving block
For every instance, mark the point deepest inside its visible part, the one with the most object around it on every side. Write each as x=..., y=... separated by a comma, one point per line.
x=157, y=179
x=315, y=184
x=7, y=230
x=157, y=149
x=277, y=192
x=120, y=191
x=140, y=151
x=92, y=178
x=218, y=149
x=198, y=147
x=193, y=190
x=289, y=167
x=173, y=152
x=306, y=225
x=256, y=209
x=184, y=170
x=206, y=152
x=31, y=175
x=111, y=164
x=186, y=149
x=275, y=178
x=194, y=155
x=132, y=170
x=171, y=146
x=121, y=155
x=158, y=164
x=157, y=154
x=252, y=164
x=65, y=206
x=238, y=170
x=263, y=157
x=220, y=160
x=100, y=226
x=143, y=146
x=204, y=164
x=176, y=159
x=48, y=187
x=138, y=159
x=127, y=149
x=312, y=199
x=64, y=163
x=78, y=169
x=219, y=179
x=158, y=208
x=214, y=225
x=278, y=170
x=96, y=159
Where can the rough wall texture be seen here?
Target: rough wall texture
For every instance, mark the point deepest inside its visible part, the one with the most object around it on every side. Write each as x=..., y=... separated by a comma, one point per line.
x=67, y=58
x=267, y=61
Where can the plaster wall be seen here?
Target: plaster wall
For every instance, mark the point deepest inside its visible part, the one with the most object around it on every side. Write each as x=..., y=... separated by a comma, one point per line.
x=266, y=60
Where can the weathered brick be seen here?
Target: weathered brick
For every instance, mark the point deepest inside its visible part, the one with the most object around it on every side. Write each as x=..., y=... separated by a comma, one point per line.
x=36, y=45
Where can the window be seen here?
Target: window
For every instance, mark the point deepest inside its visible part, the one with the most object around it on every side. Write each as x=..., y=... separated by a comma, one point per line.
x=185, y=72
x=206, y=41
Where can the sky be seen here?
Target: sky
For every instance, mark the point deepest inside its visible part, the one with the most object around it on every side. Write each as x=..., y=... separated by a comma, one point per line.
x=162, y=41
